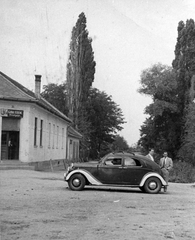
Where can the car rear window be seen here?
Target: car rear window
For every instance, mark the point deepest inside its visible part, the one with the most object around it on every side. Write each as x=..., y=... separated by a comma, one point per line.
x=131, y=162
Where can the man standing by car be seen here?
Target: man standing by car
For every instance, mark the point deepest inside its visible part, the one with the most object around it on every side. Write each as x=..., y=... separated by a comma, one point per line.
x=166, y=164
x=151, y=154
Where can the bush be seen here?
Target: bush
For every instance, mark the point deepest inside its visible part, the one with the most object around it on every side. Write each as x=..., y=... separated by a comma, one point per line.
x=182, y=172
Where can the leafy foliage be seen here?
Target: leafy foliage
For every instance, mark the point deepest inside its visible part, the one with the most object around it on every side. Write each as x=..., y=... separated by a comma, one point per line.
x=159, y=131
x=80, y=76
x=119, y=144
x=182, y=172
x=155, y=81
x=187, y=150
x=170, y=124
x=56, y=95
x=184, y=64
x=106, y=119
x=80, y=69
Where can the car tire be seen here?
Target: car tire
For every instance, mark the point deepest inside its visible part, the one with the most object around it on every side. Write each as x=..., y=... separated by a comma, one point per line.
x=152, y=185
x=76, y=182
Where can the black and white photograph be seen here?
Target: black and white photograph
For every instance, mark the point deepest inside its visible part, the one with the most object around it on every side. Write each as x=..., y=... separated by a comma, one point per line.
x=97, y=119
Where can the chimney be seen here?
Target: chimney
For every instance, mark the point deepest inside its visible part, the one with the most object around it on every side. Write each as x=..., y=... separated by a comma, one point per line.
x=37, y=85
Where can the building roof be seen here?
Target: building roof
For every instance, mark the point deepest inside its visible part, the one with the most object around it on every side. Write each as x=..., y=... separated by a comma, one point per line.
x=73, y=133
x=13, y=91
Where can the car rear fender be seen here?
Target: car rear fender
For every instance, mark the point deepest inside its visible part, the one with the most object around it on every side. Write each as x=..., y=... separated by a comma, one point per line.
x=152, y=174
x=86, y=174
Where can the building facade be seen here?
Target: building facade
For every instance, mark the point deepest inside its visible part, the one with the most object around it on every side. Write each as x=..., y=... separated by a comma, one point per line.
x=32, y=129
x=73, y=144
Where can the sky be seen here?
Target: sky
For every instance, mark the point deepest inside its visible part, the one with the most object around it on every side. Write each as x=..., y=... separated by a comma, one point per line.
x=128, y=36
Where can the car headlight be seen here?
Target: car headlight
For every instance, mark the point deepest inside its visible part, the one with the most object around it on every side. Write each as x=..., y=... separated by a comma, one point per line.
x=70, y=168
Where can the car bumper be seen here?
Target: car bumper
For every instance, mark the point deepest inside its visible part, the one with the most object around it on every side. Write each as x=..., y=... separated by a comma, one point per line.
x=65, y=175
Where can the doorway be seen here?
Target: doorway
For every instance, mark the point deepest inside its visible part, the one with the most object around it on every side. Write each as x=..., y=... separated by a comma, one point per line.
x=10, y=145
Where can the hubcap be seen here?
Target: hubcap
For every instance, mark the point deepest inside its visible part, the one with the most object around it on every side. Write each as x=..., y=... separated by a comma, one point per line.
x=152, y=185
x=76, y=182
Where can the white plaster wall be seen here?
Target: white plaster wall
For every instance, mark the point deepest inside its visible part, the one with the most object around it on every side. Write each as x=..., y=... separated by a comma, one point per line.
x=52, y=151
x=27, y=151
x=70, y=148
x=24, y=130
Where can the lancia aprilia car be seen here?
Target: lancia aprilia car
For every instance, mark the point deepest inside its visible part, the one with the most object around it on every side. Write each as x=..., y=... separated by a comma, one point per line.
x=117, y=169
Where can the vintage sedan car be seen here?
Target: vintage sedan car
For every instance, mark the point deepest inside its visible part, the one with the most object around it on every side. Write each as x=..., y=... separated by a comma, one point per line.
x=117, y=169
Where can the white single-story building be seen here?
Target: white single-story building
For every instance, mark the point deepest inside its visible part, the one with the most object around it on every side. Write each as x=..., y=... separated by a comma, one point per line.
x=33, y=130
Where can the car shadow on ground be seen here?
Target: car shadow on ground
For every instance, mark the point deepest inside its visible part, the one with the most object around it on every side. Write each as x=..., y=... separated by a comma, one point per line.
x=113, y=189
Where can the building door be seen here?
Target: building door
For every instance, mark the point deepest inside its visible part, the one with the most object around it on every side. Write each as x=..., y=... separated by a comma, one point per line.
x=4, y=145
x=10, y=145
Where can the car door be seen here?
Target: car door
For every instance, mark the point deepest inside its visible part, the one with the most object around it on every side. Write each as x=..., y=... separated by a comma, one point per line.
x=133, y=171
x=110, y=171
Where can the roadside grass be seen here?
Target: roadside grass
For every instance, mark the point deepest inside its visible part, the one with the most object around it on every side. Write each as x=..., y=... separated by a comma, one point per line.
x=182, y=172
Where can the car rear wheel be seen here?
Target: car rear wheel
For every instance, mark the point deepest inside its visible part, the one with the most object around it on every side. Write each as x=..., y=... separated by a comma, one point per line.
x=76, y=182
x=152, y=185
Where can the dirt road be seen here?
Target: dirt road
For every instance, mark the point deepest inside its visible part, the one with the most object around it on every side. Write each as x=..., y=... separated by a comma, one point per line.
x=39, y=206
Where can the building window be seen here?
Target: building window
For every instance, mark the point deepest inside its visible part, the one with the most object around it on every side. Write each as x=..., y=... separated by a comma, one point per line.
x=77, y=151
x=41, y=133
x=74, y=150
x=35, y=133
x=49, y=135
x=62, y=138
x=53, y=135
x=57, y=136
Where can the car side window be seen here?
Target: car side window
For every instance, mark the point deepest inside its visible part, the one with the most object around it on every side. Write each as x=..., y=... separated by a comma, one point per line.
x=129, y=162
x=113, y=161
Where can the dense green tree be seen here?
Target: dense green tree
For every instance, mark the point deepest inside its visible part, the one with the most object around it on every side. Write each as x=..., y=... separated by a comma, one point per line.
x=56, y=95
x=106, y=119
x=187, y=150
x=119, y=144
x=80, y=69
x=159, y=131
x=184, y=65
x=147, y=133
x=80, y=76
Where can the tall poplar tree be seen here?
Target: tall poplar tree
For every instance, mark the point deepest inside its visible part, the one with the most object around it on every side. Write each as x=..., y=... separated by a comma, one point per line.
x=187, y=150
x=184, y=64
x=80, y=70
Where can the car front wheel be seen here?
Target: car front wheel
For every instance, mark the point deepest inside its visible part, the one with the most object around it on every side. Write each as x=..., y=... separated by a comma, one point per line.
x=76, y=182
x=152, y=185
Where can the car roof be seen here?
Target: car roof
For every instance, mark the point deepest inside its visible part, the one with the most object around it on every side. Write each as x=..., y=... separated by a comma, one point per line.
x=121, y=154
x=131, y=154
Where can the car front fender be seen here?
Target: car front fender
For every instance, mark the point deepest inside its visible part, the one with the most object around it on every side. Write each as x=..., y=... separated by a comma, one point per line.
x=85, y=173
x=152, y=174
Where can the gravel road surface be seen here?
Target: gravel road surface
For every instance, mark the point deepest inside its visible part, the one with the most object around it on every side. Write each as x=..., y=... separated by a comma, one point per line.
x=39, y=206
